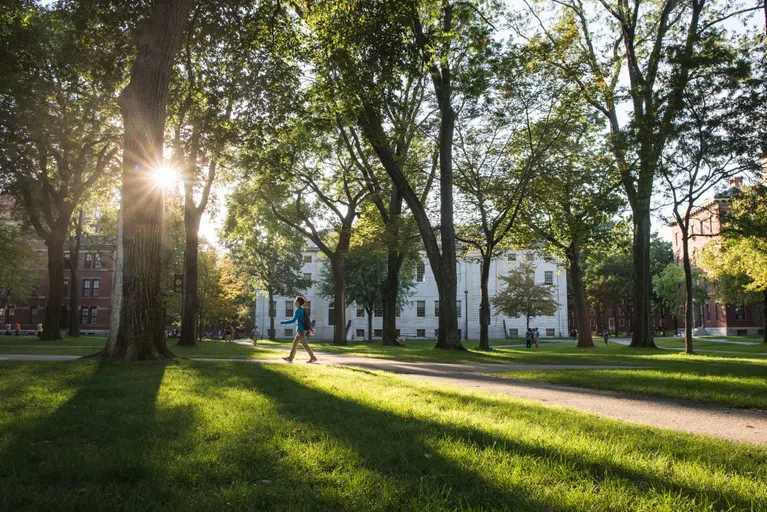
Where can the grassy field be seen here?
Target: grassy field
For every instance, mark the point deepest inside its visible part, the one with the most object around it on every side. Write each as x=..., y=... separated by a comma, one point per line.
x=211, y=436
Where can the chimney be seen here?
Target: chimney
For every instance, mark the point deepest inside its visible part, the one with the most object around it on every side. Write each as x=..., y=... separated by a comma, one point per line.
x=736, y=182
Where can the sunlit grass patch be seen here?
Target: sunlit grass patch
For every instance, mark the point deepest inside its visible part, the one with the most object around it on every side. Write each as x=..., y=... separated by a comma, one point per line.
x=211, y=436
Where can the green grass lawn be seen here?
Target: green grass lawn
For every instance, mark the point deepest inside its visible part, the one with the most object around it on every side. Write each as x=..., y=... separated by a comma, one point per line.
x=230, y=436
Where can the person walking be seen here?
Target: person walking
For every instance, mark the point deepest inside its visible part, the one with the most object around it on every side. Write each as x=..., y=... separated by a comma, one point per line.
x=302, y=323
x=528, y=338
x=606, y=336
x=18, y=329
x=574, y=334
x=536, y=335
x=40, y=330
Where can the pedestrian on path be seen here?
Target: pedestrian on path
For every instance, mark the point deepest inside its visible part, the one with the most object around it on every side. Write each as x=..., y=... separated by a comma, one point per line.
x=606, y=336
x=529, y=338
x=302, y=321
x=40, y=330
x=574, y=334
x=536, y=335
x=18, y=329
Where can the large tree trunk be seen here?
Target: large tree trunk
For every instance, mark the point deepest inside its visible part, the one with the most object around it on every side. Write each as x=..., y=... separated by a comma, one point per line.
x=764, y=303
x=579, y=295
x=141, y=334
x=484, y=304
x=370, y=325
x=389, y=294
x=74, y=261
x=446, y=275
x=394, y=260
x=191, y=300
x=52, y=321
x=689, y=312
x=339, y=299
x=642, y=328
x=272, y=334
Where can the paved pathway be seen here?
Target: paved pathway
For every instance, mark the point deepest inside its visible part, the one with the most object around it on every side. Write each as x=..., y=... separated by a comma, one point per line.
x=716, y=421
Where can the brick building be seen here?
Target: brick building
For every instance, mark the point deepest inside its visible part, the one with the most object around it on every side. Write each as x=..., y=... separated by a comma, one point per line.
x=713, y=317
x=95, y=278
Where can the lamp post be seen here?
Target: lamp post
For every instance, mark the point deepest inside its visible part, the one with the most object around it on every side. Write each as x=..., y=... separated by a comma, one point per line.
x=466, y=320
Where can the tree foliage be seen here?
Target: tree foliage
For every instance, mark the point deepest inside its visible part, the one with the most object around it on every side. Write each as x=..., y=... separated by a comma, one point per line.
x=522, y=296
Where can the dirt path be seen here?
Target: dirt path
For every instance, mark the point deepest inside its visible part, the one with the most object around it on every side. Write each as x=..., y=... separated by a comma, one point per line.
x=710, y=420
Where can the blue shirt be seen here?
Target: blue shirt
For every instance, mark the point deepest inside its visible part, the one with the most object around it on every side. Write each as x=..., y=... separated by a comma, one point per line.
x=298, y=318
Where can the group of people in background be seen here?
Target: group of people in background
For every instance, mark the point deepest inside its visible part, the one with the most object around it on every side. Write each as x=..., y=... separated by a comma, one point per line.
x=574, y=335
x=532, y=336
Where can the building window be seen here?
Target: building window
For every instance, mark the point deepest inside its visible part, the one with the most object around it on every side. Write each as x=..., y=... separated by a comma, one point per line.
x=308, y=276
x=288, y=309
x=620, y=311
x=94, y=313
x=708, y=311
x=307, y=258
x=360, y=312
x=11, y=311
x=716, y=311
x=420, y=272
x=360, y=333
x=332, y=313
x=740, y=313
x=548, y=277
x=88, y=260
x=288, y=333
x=86, y=287
x=593, y=323
x=458, y=308
x=33, y=314
x=676, y=238
x=397, y=311
x=378, y=311
x=420, y=333
x=420, y=310
x=710, y=225
x=692, y=229
x=95, y=287
x=83, y=315
x=621, y=322
x=378, y=333
x=702, y=228
x=436, y=308
x=97, y=260
x=549, y=332
x=512, y=257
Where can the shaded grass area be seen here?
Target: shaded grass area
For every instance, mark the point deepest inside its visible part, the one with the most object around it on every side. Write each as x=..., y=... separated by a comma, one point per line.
x=718, y=379
x=705, y=345
x=90, y=344
x=194, y=436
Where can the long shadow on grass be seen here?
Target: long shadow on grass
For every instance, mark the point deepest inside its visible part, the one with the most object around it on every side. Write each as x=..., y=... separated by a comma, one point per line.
x=394, y=445
x=98, y=443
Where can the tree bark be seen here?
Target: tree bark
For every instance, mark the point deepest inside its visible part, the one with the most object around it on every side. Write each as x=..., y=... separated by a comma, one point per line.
x=642, y=335
x=191, y=300
x=141, y=334
x=339, y=298
x=394, y=261
x=585, y=339
x=74, y=262
x=370, y=325
x=272, y=333
x=484, y=304
x=689, y=311
x=764, y=312
x=52, y=321
x=389, y=293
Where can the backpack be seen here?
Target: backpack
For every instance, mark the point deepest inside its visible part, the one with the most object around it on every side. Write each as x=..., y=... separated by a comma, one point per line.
x=307, y=320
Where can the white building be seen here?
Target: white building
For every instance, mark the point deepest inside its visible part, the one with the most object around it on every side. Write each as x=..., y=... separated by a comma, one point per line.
x=419, y=317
